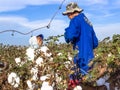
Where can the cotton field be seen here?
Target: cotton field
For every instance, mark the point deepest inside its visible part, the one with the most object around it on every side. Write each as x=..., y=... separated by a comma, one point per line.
x=49, y=67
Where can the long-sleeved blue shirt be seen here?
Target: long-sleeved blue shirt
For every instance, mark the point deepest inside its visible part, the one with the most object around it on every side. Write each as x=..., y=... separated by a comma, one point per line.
x=81, y=34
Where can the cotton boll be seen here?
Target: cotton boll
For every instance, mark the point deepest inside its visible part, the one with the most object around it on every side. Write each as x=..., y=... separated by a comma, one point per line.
x=43, y=78
x=34, y=72
x=45, y=83
x=34, y=77
x=29, y=84
x=39, y=61
x=67, y=63
x=46, y=86
x=16, y=85
x=10, y=76
x=30, y=54
x=58, y=78
x=70, y=58
x=48, y=54
x=13, y=79
x=17, y=79
x=78, y=88
x=100, y=82
x=59, y=54
x=13, y=74
x=51, y=59
x=44, y=49
x=17, y=60
x=109, y=55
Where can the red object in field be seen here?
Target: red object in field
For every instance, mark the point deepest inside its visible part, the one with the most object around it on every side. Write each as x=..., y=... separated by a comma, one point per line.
x=72, y=84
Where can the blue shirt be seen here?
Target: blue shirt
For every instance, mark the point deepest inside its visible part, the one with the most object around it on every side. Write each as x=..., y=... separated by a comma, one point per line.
x=81, y=34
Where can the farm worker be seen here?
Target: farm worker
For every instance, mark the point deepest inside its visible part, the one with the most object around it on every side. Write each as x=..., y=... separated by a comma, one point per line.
x=36, y=41
x=40, y=39
x=81, y=34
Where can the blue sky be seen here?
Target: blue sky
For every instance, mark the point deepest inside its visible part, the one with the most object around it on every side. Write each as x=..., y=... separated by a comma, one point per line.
x=26, y=15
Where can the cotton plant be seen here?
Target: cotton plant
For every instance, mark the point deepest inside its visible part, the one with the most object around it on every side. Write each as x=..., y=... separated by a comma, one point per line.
x=45, y=51
x=34, y=72
x=35, y=48
x=67, y=64
x=70, y=57
x=46, y=86
x=30, y=85
x=59, y=54
x=43, y=78
x=19, y=62
x=78, y=88
x=39, y=61
x=47, y=82
x=14, y=79
x=58, y=78
x=30, y=54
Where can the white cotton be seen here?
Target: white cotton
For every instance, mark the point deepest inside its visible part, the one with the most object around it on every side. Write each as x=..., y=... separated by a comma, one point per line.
x=34, y=72
x=78, y=88
x=33, y=42
x=43, y=78
x=51, y=59
x=10, y=76
x=16, y=85
x=48, y=54
x=17, y=79
x=100, y=82
x=17, y=60
x=34, y=77
x=70, y=58
x=67, y=63
x=45, y=83
x=58, y=78
x=13, y=79
x=39, y=61
x=13, y=74
x=107, y=85
x=46, y=86
x=29, y=84
x=30, y=54
x=44, y=49
x=96, y=55
x=109, y=55
x=59, y=54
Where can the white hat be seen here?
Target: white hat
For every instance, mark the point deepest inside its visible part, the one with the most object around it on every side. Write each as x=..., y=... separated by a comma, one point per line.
x=72, y=7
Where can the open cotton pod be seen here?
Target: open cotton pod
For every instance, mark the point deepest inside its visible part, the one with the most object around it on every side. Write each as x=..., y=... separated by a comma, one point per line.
x=78, y=88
